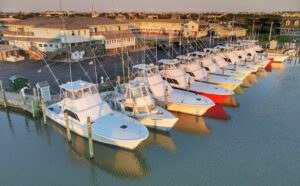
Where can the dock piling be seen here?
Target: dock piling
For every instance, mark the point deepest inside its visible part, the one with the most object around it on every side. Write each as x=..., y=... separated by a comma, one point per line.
x=2, y=90
x=223, y=71
x=43, y=107
x=67, y=126
x=89, y=127
x=208, y=77
x=166, y=97
x=189, y=84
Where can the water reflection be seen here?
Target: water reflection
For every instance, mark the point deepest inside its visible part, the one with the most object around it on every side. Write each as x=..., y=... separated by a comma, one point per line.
x=278, y=66
x=118, y=162
x=251, y=78
x=161, y=139
x=191, y=124
x=239, y=90
x=231, y=102
x=262, y=74
x=217, y=112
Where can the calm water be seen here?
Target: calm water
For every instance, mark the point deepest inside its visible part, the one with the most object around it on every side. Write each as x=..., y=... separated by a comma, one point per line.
x=255, y=141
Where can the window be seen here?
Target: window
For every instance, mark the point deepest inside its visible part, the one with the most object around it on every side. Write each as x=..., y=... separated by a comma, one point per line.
x=78, y=94
x=73, y=33
x=288, y=22
x=45, y=45
x=94, y=90
x=56, y=46
x=128, y=109
x=86, y=91
x=174, y=81
x=51, y=45
x=137, y=93
x=296, y=23
x=144, y=90
x=40, y=45
x=72, y=115
x=191, y=74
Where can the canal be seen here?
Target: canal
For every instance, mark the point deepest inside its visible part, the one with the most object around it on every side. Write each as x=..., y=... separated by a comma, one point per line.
x=255, y=141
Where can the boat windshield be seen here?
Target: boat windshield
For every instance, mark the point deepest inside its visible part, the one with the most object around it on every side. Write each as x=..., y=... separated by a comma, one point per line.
x=145, y=109
x=139, y=92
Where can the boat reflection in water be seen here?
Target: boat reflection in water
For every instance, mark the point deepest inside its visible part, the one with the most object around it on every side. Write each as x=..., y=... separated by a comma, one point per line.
x=252, y=78
x=160, y=138
x=191, y=124
x=231, y=102
x=262, y=74
x=115, y=161
x=278, y=66
x=217, y=112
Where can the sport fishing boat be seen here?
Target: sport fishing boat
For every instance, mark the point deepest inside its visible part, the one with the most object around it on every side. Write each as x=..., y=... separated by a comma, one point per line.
x=174, y=72
x=208, y=68
x=134, y=100
x=218, y=66
x=164, y=94
x=236, y=58
x=80, y=99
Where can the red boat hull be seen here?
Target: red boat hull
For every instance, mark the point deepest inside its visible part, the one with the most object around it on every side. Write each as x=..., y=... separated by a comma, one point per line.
x=215, y=98
x=269, y=66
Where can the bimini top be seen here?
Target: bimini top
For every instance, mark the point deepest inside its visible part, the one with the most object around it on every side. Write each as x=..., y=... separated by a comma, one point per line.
x=76, y=85
x=184, y=57
x=144, y=66
x=168, y=61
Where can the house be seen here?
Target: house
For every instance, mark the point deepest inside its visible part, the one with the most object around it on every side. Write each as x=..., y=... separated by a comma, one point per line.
x=228, y=30
x=52, y=33
x=173, y=27
x=290, y=24
x=10, y=53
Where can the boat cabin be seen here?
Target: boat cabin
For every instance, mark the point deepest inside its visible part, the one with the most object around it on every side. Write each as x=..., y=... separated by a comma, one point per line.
x=168, y=64
x=198, y=54
x=81, y=99
x=145, y=70
x=187, y=59
x=136, y=99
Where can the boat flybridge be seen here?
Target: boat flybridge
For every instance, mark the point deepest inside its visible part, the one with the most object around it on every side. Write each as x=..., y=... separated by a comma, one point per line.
x=164, y=94
x=80, y=100
x=218, y=68
x=134, y=100
x=208, y=68
x=180, y=74
x=232, y=60
x=249, y=55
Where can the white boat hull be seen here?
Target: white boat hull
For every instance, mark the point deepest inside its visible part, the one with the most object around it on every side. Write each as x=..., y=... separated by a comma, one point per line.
x=82, y=131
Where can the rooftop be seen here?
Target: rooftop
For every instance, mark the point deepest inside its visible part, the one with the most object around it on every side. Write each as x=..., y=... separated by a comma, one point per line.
x=7, y=48
x=76, y=85
x=70, y=22
x=168, y=61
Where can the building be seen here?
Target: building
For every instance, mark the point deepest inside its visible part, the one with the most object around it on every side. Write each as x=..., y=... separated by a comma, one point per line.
x=195, y=29
x=228, y=30
x=290, y=24
x=170, y=27
x=53, y=33
x=10, y=53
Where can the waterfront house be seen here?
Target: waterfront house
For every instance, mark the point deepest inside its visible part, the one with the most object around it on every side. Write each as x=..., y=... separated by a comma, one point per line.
x=290, y=24
x=228, y=30
x=53, y=33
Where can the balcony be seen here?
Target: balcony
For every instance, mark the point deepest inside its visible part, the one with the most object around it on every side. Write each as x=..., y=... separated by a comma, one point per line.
x=17, y=33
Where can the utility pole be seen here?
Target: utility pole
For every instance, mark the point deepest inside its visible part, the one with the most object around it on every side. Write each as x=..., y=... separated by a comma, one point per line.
x=253, y=25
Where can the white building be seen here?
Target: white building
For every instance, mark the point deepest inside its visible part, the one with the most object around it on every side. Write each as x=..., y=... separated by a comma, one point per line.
x=51, y=33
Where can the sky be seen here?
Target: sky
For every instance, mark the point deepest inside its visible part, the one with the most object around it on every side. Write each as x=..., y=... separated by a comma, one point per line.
x=153, y=5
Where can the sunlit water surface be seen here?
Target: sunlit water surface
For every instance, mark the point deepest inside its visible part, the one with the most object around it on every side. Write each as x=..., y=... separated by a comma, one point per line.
x=254, y=140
